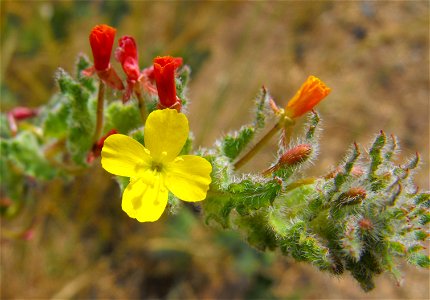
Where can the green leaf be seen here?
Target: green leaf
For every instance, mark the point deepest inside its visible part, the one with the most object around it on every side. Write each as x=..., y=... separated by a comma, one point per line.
x=420, y=260
x=81, y=121
x=251, y=195
x=25, y=152
x=123, y=117
x=55, y=118
x=83, y=63
x=234, y=144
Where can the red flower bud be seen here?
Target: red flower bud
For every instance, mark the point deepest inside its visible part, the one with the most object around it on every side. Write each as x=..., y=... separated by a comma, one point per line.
x=22, y=113
x=18, y=114
x=101, y=41
x=365, y=224
x=353, y=196
x=309, y=95
x=126, y=54
x=164, y=73
x=292, y=157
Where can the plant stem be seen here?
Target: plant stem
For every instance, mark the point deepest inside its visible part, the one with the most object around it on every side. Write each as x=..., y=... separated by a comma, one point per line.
x=142, y=107
x=284, y=123
x=100, y=107
x=244, y=159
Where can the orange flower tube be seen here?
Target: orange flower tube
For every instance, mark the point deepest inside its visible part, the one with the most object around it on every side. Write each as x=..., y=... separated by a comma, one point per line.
x=307, y=97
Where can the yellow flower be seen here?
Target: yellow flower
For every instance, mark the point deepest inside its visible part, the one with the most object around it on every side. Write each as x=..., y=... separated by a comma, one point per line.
x=156, y=169
x=309, y=95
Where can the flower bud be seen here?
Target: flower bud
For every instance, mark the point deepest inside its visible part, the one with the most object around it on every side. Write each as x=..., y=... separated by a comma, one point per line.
x=308, y=96
x=127, y=55
x=354, y=196
x=365, y=224
x=22, y=113
x=292, y=157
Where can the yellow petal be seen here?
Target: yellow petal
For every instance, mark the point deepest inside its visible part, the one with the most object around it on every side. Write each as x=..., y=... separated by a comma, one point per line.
x=123, y=156
x=165, y=131
x=145, y=198
x=188, y=177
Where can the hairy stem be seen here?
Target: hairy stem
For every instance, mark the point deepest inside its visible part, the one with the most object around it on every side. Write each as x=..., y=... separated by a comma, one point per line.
x=100, y=107
x=142, y=107
x=284, y=123
x=244, y=159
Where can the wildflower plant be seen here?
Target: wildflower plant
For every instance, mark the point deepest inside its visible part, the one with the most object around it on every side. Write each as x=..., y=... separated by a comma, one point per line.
x=364, y=217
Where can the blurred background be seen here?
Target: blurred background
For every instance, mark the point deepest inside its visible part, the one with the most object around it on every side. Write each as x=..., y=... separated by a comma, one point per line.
x=75, y=242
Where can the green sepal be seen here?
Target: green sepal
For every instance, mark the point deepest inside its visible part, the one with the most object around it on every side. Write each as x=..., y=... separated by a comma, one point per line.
x=262, y=108
x=312, y=123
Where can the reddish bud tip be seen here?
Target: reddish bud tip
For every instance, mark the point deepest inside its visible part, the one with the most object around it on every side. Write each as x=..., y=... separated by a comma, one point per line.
x=101, y=41
x=354, y=196
x=22, y=113
x=365, y=224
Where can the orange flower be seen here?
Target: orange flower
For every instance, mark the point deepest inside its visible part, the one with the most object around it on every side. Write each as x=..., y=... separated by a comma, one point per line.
x=309, y=95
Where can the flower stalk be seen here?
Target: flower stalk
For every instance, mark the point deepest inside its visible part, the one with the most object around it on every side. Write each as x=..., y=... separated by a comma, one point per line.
x=99, y=112
x=284, y=123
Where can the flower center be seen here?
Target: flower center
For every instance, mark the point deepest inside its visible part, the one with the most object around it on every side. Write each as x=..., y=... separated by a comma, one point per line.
x=156, y=166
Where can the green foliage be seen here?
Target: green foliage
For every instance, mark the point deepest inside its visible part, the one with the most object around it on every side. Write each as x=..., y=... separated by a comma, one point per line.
x=233, y=144
x=122, y=117
x=81, y=123
x=364, y=217
x=24, y=151
x=361, y=218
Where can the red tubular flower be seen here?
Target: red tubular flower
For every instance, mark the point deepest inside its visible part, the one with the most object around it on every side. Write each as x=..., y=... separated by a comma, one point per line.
x=126, y=54
x=309, y=95
x=164, y=74
x=101, y=41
